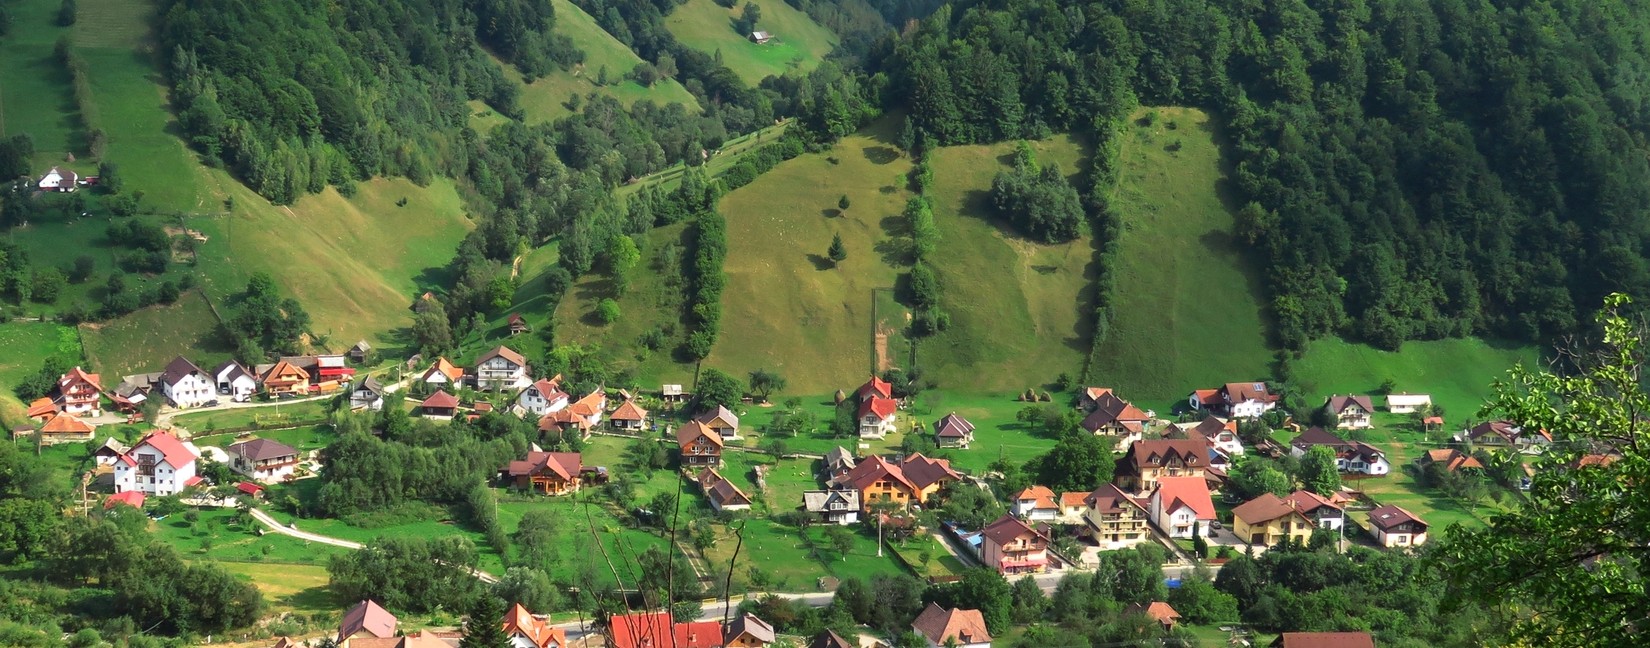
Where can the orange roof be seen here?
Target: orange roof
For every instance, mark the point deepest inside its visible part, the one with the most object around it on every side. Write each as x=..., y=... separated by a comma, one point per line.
x=693, y=430
x=1192, y=492
x=519, y=621
x=1044, y=498
x=1074, y=499
x=562, y=418
x=940, y=625
x=66, y=424
x=42, y=407
x=133, y=499
x=1207, y=396
x=629, y=411
x=79, y=375
x=285, y=373
x=590, y=405
x=1158, y=611
x=1096, y=392
x=875, y=387
x=440, y=400
x=446, y=368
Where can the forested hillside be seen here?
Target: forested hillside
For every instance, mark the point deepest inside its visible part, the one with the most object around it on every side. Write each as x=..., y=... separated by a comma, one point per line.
x=1408, y=169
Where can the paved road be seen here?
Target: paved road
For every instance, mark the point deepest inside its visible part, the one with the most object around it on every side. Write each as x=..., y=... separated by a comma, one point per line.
x=277, y=527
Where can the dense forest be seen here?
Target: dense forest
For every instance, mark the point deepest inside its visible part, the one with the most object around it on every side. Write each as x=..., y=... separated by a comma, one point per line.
x=1408, y=169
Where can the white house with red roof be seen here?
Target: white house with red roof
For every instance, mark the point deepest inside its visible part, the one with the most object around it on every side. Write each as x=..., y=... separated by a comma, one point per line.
x=877, y=408
x=543, y=397
x=80, y=392
x=1235, y=400
x=1036, y=503
x=159, y=464
x=1180, y=504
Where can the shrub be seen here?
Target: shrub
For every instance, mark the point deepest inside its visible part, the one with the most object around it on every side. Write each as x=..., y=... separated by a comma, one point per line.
x=607, y=311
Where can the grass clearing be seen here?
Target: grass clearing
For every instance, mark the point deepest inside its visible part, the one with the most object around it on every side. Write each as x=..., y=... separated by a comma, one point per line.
x=1017, y=307
x=798, y=44
x=545, y=99
x=56, y=239
x=786, y=306
x=27, y=345
x=212, y=534
x=652, y=302
x=146, y=340
x=300, y=589
x=36, y=96
x=1456, y=373
x=1188, y=311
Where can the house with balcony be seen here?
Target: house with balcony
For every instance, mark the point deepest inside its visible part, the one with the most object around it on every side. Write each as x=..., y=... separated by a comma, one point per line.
x=1035, y=503
x=722, y=420
x=1269, y=520
x=542, y=397
x=80, y=393
x=911, y=480
x=501, y=369
x=1235, y=400
x=1149, y=461
x=1114, y=417
x=528, y=631
x=832, y=506
x=550, y=473
x=1350, y=456
x=159, y=464
x=1013, y=547
x=956, y=628
x=1351, y=412
x=699, y=445
x=1324, y=512
x=286, y=379
x=629, y=417
x=263, y=460
x=1114, y=519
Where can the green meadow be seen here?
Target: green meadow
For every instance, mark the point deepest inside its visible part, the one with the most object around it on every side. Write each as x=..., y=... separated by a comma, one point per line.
x=147, y=339
x=1456, y=373
x=798, y=44
x=545, y=99
x=36, y=96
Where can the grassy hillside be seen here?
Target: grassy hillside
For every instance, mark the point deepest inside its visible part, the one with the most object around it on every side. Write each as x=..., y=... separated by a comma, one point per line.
x=1187, y=302
x=27, y=346
x=1017, y=307
x=149, y=338
x=786, y=306
x=798, y=44
x=35, y=94
x=652, y=302
x=546, y=98
x=1456, y=373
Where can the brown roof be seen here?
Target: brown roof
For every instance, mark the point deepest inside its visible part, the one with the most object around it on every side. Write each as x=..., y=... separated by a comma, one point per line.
x=686, y=434
x=285, y=372
x=177, y=369
x=1324, y=640
x=503, y=352
x=1264, y=509
x=262, y=449
x=830, y=639
x=1338, y=403
x=565, y=465
x=42, y=407
x=924, y=471
x=1317, y=436
x=718, y=488
x=562, y=418
x=953, y=426
x=749, y=624
x=1110, y=409
x=66, y=424
x=1194, y=452
x=441, y=400
x=1307, y=501
x=940, y=625
x=721, y=412
x=629, y=411
x=1389, y=516
x=1006, y=529
x=79, y=375
x=1507, y=430
x=1247, y=391
x=367, y=616
x=1108, y=498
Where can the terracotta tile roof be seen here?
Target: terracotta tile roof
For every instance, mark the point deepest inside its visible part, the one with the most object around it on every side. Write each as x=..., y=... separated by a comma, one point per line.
x=262, y=449
x=440, y=400
x=445, y=368
x=565, y=465
x=41, y=408
x=1074, y=499
x=629, y=411
x=1192, y=492
x=1108, y=498
x=924, y=471
x=1208, y=397
x=874, y=469
x=1307, y=501
x=561, y=419
x=1338, y=403
x=549, y=390
x=1324, y=640
x=249, y=488
x=940, y=625
x=875, y=387
x=171, y=448
x=1006, y=529
x=655, y=630
x=686, y=434
x=882, y=407
x=1247, y=391
x=78, y=375
x=1094, y=393
x=1041, y=496
x=953, y=426
x=1158, y=611
x=130, y=498
x=1596, y=460
x=724, y=492
x=590, y=405
x=369, y=617
x=502, y=352
x=66, y=424
x=519, y=621
x=285, y=373
x=1193, y=452
x=1264, y=509
x=720, y=412
x=1452, y=459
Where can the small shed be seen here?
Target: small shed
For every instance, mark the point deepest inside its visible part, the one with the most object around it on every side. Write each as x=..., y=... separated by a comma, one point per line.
x=761, y=37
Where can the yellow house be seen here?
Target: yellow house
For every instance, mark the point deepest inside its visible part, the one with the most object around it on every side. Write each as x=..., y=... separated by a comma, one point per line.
x=286, y=378
x=911, y=481
x=748, y=631
x=1268, y=520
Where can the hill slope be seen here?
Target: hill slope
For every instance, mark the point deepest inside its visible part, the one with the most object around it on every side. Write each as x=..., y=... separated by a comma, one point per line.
x=545, y=98
x=799, y=43
x=1187, y=302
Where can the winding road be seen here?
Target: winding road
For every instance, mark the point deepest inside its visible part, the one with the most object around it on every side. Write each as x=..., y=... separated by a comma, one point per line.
x=275, y=526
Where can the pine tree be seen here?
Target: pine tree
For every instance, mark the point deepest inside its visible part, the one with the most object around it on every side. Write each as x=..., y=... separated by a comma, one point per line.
x=485, y=628
x=837, y=252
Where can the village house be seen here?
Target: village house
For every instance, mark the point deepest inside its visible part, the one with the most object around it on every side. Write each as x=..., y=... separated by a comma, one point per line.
x=360, y=352
x=133, y=391
x=1221, y=435
x=501, y=369
x=1350, y=412
x=1035, y=503
x=551, y=473
x=1181, y=504
x=528, y=631
x=656, y=630
x=42, y=410
x=80, y=393
x=562, y=420
x=263, y=460
x=629, y=416
x=1502, y=434
x=1073, y=505
x=439, y=405
x=1148, y=461
x=58, y=179
x=1350, y=456
x=159, y=464
x=911, y=480
x=956, y=627
x=542, y=397
x=327, y=370
x=185, y=385
x=367, y=620
x=877, y=408
x=723, y=421
x=748, y=631
x=441, y=375
x=1323, y=640
x=1268, y=520
x=838, y=462
x=699, y=445
x=1450, y=458
x=723, y=494
x=109, y=453
x=1158, y=611
x=133, y=499
x=1324, y=512
x=233, y=380
x=286, y=379
x=953, y=431
x=1393, y=526
x=832, y=506
x=830, y=639
x=1235, y=400
x=65, y=428
x=1090, y=397
x=1117, y=418
x=1013, y=547
x=1114, y=519
x=589, y=409
x=517, y=324
x=367, y=395
x=1407, y=403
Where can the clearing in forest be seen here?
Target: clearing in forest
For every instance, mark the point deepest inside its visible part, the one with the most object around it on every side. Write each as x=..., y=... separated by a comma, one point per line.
x=798, y=42
x=546, y=98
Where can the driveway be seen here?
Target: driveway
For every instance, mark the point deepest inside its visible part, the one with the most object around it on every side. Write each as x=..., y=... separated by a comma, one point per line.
x=277, y=527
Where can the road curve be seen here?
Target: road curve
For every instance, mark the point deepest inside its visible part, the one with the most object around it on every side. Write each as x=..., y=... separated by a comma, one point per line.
x=277, y=527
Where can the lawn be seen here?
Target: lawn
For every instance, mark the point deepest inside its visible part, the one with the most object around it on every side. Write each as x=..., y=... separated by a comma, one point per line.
x=311, y=437
x=577, y=523
x=287, y=588
x=1456, y=373
x=447, y=525
x=213, y=535
x=1187, y=302
x=55, y=238
x=799, y=44
x=204, y=422
x=1400, y=489
x=651, y=302
x=35, y=92
x=149, y=338
x=1018, y=308
x=790, y=563
x=786, y=306
x=545, y=98
x=27, y=346
x=997, y=433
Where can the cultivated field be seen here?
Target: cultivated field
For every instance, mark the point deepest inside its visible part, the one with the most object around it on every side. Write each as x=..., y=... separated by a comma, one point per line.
x=545, y=98
x=799, y=43
x=149, y=338
x=1187, y=302
x=787, y=307
x=1018, y=308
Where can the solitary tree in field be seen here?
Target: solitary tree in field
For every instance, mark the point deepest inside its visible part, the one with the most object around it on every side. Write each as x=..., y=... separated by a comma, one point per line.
x=842, y=203
x=837, y=252
x=841, y=539
x=764, y=382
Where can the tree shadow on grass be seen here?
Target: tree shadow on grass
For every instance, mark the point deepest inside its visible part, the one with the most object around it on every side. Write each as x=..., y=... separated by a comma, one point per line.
x=880, y=154
x=830, y=212
x=313, y=598
x=895, y=252
x=820, y=262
